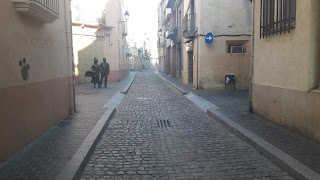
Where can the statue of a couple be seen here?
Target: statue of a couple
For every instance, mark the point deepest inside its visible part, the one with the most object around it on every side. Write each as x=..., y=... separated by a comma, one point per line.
x=103, y=69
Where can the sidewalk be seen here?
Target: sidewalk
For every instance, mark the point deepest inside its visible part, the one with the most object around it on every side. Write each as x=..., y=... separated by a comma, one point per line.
x=235, y=105
x=45, y=157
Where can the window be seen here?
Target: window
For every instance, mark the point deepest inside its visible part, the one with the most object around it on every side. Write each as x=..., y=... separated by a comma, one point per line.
x=236, y=46
x=277, y=17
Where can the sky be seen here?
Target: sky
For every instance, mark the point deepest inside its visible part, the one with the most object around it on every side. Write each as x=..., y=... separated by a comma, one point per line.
x=143, y=22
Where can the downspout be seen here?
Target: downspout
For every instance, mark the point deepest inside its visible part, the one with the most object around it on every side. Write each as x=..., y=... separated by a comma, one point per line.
x=177, y=74
x=198, y=62
x=119, y=49
x=252, y=58
x=68, y=27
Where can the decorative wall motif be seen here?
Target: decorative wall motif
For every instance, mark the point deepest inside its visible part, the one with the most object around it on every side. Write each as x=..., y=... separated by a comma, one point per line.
x=25, y=69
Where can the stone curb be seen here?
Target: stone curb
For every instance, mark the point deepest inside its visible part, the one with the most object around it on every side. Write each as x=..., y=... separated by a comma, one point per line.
x=182, y=91
x=77, y=163
x=293, y=167
x=203, y=104
x=116, y=100
x=126, y=89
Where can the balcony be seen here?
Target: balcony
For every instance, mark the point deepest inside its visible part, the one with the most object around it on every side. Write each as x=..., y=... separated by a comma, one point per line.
x=161, y=42
x=167, y=16
x=43, y=11
x=189, y=30
x=169, y=32
x=177, y=35
x=87, y=20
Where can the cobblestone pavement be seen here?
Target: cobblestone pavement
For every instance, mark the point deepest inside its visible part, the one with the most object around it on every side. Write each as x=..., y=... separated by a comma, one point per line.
x=195, y=146
x=45, y=157
x=235, y=104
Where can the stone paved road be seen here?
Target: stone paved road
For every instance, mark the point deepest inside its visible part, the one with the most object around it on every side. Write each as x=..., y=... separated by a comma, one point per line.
x=235, y=104
x=195, y=146
x=45, y=157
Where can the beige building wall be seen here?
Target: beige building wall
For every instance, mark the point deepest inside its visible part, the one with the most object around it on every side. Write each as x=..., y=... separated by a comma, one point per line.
x=230, y=21
x=286, y=69
x=88, y=46
x=30, y=107
x=216, y=62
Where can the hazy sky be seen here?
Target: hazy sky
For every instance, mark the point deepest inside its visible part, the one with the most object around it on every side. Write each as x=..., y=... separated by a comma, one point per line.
x=143, y=20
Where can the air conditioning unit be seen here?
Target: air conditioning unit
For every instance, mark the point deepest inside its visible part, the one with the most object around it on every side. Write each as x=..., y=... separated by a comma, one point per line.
x=236, y=50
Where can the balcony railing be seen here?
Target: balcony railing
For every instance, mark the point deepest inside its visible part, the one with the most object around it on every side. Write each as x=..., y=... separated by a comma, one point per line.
x=177, y=34
x=161, y=42
x=45, y=11
x=189, y=29
x=169, y=32
x=92, y=19
x=52, y=5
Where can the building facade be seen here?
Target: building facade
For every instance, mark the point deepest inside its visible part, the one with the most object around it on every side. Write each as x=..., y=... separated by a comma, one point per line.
x=135, y=61
x=286, y=64
x=36, y=83
x=99, y=30
x=190, y=59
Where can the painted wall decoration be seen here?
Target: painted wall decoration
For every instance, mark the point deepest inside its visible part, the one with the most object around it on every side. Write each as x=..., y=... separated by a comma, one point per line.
x=25, y=69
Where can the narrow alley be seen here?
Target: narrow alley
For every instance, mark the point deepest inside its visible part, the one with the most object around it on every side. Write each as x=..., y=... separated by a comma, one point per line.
x=187, y=145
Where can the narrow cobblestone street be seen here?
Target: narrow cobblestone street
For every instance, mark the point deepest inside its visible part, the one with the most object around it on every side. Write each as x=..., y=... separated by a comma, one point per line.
x=190, y=145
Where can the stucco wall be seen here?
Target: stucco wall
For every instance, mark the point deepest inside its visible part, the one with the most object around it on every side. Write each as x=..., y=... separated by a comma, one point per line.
x=85, y=48
x=296, y=110
x=285, y=58
x=114, y=14
x=216, y=62
x=286, y=67
x=229, y=20
x=224, y=17
x=30, y=107
x=43, y=46
x=184, y=73
x=102, y=47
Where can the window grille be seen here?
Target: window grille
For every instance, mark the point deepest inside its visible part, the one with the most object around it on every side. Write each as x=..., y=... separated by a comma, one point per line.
x=277, y=17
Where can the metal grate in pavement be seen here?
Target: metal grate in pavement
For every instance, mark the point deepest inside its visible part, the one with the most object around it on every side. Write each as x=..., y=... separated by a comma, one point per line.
x=163, y=123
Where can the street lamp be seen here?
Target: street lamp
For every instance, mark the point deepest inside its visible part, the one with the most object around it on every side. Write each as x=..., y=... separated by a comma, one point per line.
x=126, y=17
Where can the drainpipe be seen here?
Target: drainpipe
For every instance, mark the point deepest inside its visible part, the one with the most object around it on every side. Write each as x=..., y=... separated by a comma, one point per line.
x=119, y=49
x=68, y=27
x=198, y=62
x=252, y=58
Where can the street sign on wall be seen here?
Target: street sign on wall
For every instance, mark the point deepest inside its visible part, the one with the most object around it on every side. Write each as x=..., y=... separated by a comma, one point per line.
x=209, y=38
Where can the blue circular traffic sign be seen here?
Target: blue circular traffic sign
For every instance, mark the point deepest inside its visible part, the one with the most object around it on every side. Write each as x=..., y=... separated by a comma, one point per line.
x=209, y=38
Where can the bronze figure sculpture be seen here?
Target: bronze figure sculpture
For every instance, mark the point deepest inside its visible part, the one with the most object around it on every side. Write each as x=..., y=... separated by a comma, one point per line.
x=104, y=70
x=96, y=69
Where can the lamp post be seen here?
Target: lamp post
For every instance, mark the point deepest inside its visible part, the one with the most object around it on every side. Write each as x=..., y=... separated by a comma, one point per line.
x=126, y=16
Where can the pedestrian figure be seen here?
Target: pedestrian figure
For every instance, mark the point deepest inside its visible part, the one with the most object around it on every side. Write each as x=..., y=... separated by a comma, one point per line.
x=96, y=70
x=104, y=69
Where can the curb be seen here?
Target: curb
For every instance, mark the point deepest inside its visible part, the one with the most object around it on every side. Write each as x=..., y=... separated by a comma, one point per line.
x=126, y=89
x=182, y=91
x=293, y=167
x=203, y=104
x=116, y=100
x=77, y=163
